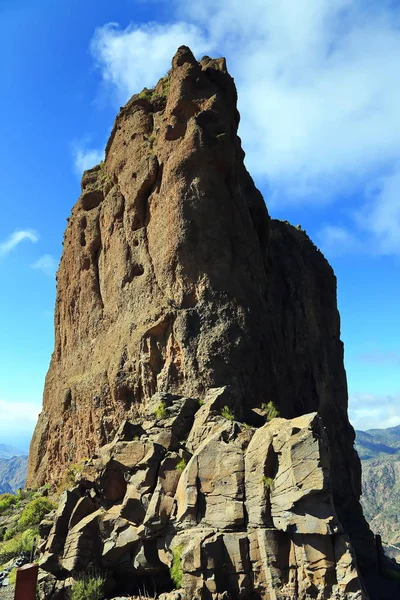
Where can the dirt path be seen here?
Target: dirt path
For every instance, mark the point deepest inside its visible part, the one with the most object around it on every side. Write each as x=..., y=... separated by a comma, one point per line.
x=7, y=592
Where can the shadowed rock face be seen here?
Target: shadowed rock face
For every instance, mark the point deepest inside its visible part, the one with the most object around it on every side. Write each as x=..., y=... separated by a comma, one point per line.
x=174, y=279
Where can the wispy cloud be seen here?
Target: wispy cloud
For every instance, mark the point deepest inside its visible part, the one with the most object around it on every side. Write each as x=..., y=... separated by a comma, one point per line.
x=380, y=212
x=86, y=158
x=368, y=411
x=16, y=238
x=318, y=94
x=137, y=57
x=47, y=264
x=336, y=241
x=18, y=417
x=381, y=358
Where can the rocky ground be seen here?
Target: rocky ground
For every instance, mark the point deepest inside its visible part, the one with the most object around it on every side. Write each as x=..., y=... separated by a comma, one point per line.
x=192, y=498
x=7, y=593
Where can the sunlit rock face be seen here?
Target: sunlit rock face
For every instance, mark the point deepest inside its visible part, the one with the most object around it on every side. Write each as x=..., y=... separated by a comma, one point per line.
x=247, y=514
x=175, y=280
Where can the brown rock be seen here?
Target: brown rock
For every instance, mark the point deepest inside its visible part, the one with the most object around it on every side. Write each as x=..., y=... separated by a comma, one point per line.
x=208, y=418
x=84, y=507
x=211, y=489
x=121, y=541
x=294, y=474
x=175, y=281
x=58, y=533
x=162, y=500
x=82, y=545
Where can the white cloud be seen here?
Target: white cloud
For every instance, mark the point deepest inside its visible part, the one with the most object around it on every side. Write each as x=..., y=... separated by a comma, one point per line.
x=17, y=419
x=47, y=264
x=136, y=57
x=336, y=241
x=318, y=92
x=368, y=411
x=85, y=158
x=380, y=214
x=380, y=358
x=16, y=238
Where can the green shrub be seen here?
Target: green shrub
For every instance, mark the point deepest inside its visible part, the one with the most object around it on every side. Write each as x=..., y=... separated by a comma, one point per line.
x=12, y=576
x=165, y=86
x=70, y=474
x=181, y=464
x=270, y=411
x=103, y=172
x=88, y=587
x=21, y=542
x=227, y=413
x=28, y=539
x=267, y=482
x=176, y=571
x=6, y=501
x=10, y=533
x=246, y=426
x=34, y=512
x=11, y=548
x=161, y=410
x=146, y=94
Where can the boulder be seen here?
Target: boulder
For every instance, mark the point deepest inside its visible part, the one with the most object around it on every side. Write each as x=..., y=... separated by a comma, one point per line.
x=83, y=545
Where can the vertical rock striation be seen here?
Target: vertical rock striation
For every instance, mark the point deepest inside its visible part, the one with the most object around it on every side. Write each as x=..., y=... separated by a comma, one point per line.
x=174, y=279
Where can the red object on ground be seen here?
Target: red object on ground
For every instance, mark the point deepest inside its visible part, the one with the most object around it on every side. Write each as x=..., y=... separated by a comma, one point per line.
x=25, y=586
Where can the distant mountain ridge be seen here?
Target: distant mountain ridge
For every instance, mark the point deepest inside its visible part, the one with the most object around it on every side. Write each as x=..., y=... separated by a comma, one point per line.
x=379, y=451
x=7, y=451
x=13, y=473
x=13, y=468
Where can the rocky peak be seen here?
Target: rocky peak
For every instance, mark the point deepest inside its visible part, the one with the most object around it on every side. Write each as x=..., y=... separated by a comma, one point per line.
x=174, y=280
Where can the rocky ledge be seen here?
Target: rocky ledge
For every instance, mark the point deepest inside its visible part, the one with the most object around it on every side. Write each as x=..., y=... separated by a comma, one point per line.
x=188, y=497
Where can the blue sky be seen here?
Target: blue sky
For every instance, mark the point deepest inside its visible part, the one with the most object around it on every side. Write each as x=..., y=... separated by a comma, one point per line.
x=319, y=95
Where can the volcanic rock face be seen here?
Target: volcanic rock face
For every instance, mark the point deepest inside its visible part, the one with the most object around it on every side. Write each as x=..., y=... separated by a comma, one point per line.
x=175, y=280
x=248, y=514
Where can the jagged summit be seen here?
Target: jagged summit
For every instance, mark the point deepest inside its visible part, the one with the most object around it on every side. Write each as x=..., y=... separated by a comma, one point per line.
x=175, y=280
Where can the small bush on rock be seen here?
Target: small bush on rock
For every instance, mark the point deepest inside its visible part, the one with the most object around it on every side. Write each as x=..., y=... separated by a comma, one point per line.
x=6, y=501
x=176, y=568
x=88, y=587
x=181, y=465
x=270, y=411
x=267, y=482
x=11, y=548
x=10, y=533
x=12, y=576
x=146, y=94
x=161, y=411
x=34, y=512
x=73, y=471
x=227, y=413
x=28, y=539
x=22, y=542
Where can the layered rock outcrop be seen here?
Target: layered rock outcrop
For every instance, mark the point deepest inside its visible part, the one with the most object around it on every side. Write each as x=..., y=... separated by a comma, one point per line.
x=175, y=280
x=247, y=513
